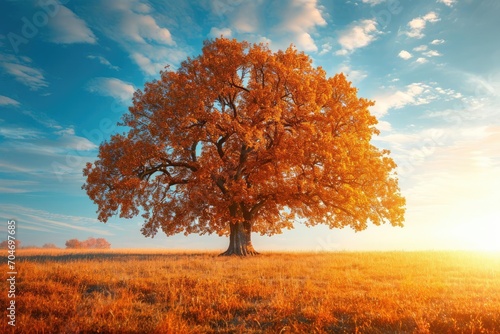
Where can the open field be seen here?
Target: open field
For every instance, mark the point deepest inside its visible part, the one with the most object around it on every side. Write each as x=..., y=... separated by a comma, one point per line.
x=168, y=292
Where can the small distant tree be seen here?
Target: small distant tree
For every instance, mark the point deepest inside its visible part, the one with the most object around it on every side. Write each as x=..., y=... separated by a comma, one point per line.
x=90, y=243
x=73, y=243
x=101, y=243
x=5, y=244
x=49, y=246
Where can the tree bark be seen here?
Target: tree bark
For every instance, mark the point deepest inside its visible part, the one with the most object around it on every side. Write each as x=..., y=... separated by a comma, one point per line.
x=240, y=242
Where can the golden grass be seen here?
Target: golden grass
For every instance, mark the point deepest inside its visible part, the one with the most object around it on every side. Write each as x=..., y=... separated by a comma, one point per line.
x=139, y=291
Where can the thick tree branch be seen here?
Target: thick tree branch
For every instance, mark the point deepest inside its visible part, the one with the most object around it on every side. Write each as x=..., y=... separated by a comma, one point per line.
x=193, y=151
x=219, y=145
x=239, y=87
x=220, y=182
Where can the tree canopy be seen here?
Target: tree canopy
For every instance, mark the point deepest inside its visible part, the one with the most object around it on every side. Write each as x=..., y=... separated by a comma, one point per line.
x=243, y=139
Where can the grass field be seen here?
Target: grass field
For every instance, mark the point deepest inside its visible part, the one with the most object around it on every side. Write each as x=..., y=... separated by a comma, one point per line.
x=345, y=292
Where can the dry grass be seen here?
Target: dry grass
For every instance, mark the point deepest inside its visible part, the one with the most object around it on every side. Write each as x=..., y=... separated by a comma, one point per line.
x=152, y=292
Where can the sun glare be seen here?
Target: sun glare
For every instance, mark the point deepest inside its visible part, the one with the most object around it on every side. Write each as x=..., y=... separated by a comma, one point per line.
x=482, y=234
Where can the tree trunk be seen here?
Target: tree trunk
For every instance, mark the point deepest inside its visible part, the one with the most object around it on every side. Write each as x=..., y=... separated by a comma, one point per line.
x=240, y=242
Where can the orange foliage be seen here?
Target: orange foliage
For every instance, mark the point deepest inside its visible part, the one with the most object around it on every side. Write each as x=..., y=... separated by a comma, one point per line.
x=242, y=134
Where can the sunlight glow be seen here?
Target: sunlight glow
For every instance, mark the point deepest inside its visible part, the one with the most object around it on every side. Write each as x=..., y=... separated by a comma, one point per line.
x=481, y=233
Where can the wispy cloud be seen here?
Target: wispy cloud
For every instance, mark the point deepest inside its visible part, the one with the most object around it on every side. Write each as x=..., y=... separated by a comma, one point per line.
x=426, y=53
x=244, y=16
x=7, y=101
x=68, y=140
x=417, y=25
x=448, y=3
x=103, y=61
x=217, y=32
x=67, y=28
x=358, y=35
x=279, y=23
x=353, y=75
x=437, y=41
x=52, y=222
x=22, y=71
x=42, y=119
x=300, y=18
x=113, y=87
x=374, y=2
x=325, y=48
x=420, y=48
x=415, y=94
x=10, y=186
x=431, y=53
x=421, y=60
x=46, y=155
x=132, y=25
x=19, y=133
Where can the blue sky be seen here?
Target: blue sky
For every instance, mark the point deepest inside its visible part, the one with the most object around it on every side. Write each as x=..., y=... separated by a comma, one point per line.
x=68, y=70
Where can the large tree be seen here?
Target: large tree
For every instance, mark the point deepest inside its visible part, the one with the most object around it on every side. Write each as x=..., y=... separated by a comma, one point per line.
x=243, y=139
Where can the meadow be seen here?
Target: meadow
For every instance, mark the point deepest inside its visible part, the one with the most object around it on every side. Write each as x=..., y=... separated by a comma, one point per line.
x=144, y=291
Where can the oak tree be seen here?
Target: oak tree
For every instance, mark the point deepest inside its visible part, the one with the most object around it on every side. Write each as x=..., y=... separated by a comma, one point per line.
x=243, y=139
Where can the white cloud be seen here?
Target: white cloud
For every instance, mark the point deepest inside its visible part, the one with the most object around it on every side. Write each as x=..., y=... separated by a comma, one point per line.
x=23, y=72
x=420, y=48
x=147, y=64
x=112, y=87
x=7, y=101
x=374, y=2
x=325, y=48
x=217, y=32
x=67, y=139
x=299, y=19
x=357, y=36
x=448, y=92
x=354, y=76
x=246, y=17
x=421, y=60
x=384, y=126
x=141, y=28
x=414, y=94
x=432, y=53
x=284, y=22
x=448, y=3
x=404, y=55
x=104, y=61
x=417, y=25
x=134, y=27
x=437, y=41
x=153, y=59
x=431, y=17
x=67, y=28
x=342, y=52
